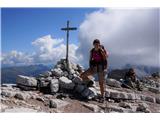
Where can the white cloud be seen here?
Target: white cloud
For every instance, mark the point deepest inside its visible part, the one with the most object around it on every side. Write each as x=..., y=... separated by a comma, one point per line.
x=130, y=35
x=15, y=58
x=48, y=50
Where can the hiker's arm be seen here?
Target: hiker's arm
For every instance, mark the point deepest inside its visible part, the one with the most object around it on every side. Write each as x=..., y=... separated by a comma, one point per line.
x=90, y=58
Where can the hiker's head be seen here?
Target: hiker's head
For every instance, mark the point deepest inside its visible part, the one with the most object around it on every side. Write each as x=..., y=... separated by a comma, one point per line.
x=96, y=43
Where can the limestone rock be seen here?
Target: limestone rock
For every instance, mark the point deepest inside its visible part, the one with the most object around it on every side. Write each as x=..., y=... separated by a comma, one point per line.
x=154, y=90
x=57, y=72
x=56, y=103
x=157, y=100
x=47, y=74
x=8, y=93
x=142, y=108
x=26, y=83
x=66, y=83
x=54, y=85
x=77, y=80
x=124, y=105
x=113, y=83
x=22, y=96
x=80, y=88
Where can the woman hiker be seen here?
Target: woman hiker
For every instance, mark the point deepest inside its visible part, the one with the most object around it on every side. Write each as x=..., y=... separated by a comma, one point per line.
x=97, y=64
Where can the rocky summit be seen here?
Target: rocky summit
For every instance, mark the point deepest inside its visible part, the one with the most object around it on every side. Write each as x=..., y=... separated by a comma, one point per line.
x=61, y=90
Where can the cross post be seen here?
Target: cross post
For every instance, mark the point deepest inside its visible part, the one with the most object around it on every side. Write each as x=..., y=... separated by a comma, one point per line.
x=67, y=29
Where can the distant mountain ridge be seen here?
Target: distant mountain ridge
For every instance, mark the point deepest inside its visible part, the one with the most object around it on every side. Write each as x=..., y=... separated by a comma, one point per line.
x=9, y=74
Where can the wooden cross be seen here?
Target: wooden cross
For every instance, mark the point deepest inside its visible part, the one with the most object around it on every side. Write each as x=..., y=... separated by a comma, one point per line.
x=68, y=29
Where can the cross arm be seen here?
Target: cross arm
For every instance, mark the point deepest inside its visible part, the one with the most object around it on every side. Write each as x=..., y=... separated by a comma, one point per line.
x=73, y=28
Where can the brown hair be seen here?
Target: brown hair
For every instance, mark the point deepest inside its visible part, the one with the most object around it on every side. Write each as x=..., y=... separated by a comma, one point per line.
x=96, y=41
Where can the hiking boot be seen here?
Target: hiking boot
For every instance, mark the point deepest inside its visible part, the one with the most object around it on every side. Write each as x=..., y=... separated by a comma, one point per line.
x=101, y=99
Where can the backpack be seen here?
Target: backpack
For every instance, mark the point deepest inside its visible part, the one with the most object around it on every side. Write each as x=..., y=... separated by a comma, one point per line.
x=104, y=58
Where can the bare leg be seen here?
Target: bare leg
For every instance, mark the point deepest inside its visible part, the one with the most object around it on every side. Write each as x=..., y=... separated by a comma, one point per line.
x=101, y=83
x=85, y=74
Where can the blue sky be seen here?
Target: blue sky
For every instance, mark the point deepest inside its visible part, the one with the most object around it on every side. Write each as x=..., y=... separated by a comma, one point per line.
x=21, y=26
x=131, y=36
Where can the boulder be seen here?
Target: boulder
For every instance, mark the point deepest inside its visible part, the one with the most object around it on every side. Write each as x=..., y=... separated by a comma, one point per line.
x=89, y=93
x=57, y=72
x=114, y=95
x=66, y=83
x=150, y=99
x=8, y=93
x=154, y=90
x=56, y=103
x=22, y=96
x=85, y=93
x=124, y=105
x=80, y=88
x=157, y=100
x=113, y=83
x=54, y=85
x=47, y=74
x=65, y=74
x=142, y=108
x=77, y=80
x=93, y=93
x=26, y=83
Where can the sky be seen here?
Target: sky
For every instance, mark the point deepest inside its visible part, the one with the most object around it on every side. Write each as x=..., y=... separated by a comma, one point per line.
x=21, y=26
x=33, y=35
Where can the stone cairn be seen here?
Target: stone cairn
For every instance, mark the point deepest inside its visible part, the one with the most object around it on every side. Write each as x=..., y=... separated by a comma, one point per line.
x=58, y=79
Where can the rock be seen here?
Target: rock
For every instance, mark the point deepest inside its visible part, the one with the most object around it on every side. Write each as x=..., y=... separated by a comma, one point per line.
x=57, y=72
x=80, y=88
x=113, y=83
x=114, y=95
x=149, y=99
x=40, y=99
x=113, y=108
x=77, y=73
x=26, y=83
x=107, y=94
x=92, y=107
x=142, y=107
x=56, y=103
x=157, y=100
x=65, y=74
x=89, y=93
x=93, y=93
x=66, y=83
x=72, y=71
x=85, y=93
x=47, y=74
x=7, y=93
x=80, y=68
x=132, y=96
x=54, y=85
x=117, y=73
x=70, y=76
x=77, y=80
x=123, y=95
x=154, y=90
x=124, y=105
x=20, y=110
x=22, y=96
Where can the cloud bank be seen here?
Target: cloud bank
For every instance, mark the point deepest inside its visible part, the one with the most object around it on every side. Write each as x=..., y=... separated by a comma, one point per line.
x=131, y=36
x=47, y=50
